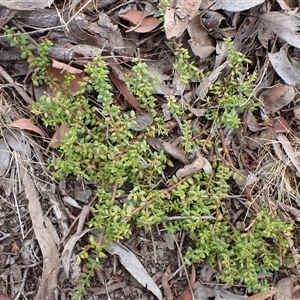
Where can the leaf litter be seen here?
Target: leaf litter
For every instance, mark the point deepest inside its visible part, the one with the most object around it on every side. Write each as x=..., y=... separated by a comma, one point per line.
x=266, y=33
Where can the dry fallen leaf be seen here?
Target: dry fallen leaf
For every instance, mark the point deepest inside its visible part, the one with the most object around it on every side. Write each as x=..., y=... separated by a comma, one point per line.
x=284, y=67
x=263, y=296
x=174, y=152
x=134, y=16
x=4, y=157
x=48, y=280
x=143, y=23
x=196, y=166
x=4, y=296
x=25, y=5
x=281, y=125
x=166, y=287
x=59, y=135
x=60, y=73
x=177, y=19
x=230, y=5
x=26, y=124
x=121, y=86
x=284, y=25
x=148, y=24
x=134, y=267
x=201, y=42
x=188, y=293
x=64, y=67
x=285, y=288
x=289, y=150
x=276, y=97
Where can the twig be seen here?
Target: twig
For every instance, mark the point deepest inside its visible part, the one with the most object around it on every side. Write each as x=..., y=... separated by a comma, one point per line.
x=8, y=78
x=22, y=285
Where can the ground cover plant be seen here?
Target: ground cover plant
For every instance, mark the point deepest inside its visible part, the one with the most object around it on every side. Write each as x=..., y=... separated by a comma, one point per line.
x=133, y=190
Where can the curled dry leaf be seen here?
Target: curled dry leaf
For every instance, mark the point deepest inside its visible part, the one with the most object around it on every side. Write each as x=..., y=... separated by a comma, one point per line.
x=188, y=293
x=26, y=124
x=196, y=166
x=276, y=97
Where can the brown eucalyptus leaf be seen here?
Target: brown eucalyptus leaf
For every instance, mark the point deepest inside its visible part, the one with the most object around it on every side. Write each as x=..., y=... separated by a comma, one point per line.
x=148, y=24
x=134, y=16
x=281, y=125
x=121, y=86
x=276, y=97
x=26, y=124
